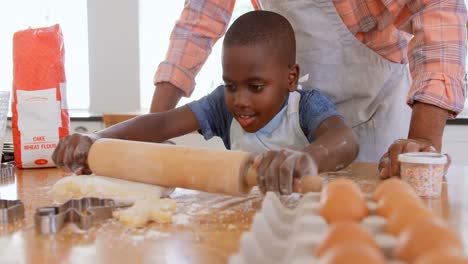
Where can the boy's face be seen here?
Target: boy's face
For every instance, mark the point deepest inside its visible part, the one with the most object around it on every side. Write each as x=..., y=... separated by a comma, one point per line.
x=257, y=84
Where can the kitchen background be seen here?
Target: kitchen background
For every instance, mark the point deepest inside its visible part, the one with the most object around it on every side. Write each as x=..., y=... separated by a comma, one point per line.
x=101, y=79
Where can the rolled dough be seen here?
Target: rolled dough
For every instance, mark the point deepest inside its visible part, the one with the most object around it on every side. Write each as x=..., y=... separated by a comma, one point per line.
x=75, y=187
x=147, y=205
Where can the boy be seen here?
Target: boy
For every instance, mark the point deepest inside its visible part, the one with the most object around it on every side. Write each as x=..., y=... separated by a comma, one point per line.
x=294, y=133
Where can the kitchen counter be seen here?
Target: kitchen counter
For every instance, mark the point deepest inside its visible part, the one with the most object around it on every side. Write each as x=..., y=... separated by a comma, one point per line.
x=206, y=228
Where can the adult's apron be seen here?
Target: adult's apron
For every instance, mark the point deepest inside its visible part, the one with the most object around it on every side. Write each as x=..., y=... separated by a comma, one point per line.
x=368, y=90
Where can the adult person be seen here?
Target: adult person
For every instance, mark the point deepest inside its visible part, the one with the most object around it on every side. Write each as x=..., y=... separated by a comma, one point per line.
x=360, y=53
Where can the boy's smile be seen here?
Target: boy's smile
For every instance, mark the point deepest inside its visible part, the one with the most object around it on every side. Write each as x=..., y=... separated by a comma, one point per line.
x=257, y=84
x=245, y=120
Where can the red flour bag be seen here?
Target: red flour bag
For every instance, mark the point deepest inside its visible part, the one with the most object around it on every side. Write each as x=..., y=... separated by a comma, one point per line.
x=39, y=109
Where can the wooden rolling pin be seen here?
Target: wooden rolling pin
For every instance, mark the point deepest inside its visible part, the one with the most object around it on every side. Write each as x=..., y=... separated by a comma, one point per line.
x=204, y=169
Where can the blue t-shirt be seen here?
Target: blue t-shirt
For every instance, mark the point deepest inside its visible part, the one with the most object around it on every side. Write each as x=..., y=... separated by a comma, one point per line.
x=215, y=119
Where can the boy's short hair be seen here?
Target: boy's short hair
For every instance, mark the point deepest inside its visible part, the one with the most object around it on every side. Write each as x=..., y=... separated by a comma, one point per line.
x=264, y=27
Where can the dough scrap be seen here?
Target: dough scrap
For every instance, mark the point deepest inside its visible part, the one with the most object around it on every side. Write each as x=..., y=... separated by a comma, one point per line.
x=144, y=211
x=75, y=187
x=147, y=205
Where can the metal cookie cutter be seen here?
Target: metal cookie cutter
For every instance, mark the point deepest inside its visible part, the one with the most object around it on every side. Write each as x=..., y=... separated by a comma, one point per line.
x=83, y=212
x=7, y=172
x=11, y=211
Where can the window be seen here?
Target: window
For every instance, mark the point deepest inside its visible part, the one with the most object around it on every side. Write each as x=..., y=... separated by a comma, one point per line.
x=72, y=17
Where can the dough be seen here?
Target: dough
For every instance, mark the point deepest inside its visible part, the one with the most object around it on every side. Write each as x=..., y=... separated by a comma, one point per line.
x=144, y=211
x=146, y=197
x=75, y=187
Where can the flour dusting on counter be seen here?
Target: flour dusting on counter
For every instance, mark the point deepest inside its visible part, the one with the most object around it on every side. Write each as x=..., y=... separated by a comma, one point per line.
x=154, y=234
x=181, y=219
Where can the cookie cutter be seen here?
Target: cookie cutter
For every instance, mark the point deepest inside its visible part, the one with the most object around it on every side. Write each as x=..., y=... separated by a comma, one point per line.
x=7, y=172
x=83, y=212
x=11, y=211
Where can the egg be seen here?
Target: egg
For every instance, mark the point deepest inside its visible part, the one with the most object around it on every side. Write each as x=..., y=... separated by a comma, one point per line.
x=391, y=185
x=345, y=232
x=357, y=253
x=342, y=200
x=339, y=182
x=442, y=256
x=425, y=236
x=391, y=201
x=404, y=216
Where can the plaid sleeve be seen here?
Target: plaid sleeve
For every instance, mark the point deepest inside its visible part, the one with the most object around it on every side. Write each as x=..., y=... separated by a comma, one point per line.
x=200, y=25
x=437, y=53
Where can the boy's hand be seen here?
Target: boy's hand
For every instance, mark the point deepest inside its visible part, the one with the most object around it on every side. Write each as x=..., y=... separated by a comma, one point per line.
x=71, y=153
x=278, y=170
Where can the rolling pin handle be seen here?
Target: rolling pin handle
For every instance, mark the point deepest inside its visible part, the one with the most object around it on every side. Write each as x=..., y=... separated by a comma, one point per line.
x=251, y=176
x=307, y=184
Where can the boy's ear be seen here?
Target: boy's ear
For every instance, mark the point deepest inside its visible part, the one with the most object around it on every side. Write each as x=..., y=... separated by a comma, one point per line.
x=293, y=77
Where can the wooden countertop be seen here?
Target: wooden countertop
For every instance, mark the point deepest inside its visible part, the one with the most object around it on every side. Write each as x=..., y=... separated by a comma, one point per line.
x=206, y=228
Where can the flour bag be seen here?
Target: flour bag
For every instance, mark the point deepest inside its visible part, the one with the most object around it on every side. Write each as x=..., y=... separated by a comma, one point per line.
x=39, y=107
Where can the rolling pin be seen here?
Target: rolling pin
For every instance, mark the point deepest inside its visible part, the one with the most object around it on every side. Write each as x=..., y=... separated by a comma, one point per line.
x=204, y=169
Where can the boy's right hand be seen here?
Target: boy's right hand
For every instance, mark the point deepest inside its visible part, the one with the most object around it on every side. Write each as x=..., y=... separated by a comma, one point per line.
x=279, y=170
x=71, y=153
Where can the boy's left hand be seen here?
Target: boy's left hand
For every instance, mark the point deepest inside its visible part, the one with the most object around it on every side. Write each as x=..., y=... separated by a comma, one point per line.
x=278, y=170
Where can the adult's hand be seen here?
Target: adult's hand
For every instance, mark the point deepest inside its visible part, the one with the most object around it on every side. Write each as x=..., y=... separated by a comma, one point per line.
x=389, y=165
x=425, y=135
x=165, y=97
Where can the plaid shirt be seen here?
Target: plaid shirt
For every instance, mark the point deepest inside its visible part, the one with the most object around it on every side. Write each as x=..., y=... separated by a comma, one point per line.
x=430, y=35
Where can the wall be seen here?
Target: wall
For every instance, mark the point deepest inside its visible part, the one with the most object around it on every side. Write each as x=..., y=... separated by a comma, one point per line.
x=455, y=142
x=113, y=56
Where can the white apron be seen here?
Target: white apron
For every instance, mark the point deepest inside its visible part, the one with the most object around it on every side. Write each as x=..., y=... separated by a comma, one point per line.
x=368, y=90
x=283, y=131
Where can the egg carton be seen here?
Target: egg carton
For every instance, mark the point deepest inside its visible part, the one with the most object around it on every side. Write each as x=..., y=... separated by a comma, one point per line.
x=279, y=234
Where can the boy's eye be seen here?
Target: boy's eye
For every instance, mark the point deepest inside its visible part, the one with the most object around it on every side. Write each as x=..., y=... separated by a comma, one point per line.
x=230, y=87
x=256, y=87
